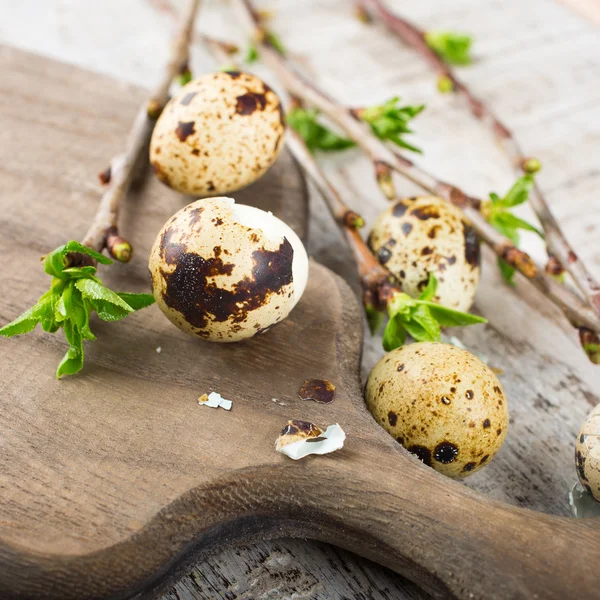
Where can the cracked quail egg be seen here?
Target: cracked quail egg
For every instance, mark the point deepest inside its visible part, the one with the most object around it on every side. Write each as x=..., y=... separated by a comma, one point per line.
x=419, y=235
x=587, y=454
x=226, y=271
x=442, y=404
x=219, y=133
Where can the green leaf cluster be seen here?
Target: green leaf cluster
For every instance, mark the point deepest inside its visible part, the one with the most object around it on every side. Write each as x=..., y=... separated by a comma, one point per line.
x=75, y=292
x=388, y=121
x=499, y=216
x=453, y=48
x=316, y=136
x=421, y=318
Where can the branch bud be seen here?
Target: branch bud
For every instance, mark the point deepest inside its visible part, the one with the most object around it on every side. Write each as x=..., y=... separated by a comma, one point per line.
x=444, y=84
x=383, y=174
x=104, y=176
x=118, y=247
x=519, y=260
x=590, y=343
x=353, y=220
x=154, y=109
x=184, y=77
x=531, y=165
x=362, y=15
x=555, y=269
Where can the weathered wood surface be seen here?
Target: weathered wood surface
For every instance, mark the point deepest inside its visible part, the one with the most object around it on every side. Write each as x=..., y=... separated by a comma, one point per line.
x=542, y=78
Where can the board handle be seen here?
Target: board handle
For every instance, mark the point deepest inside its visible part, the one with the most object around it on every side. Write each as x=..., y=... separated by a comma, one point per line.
x=452, y=542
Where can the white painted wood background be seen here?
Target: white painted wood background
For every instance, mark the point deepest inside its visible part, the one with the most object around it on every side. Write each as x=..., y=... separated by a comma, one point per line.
x=538, y=64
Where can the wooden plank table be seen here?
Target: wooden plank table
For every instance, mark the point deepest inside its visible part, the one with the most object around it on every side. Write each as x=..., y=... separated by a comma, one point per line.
x=539, y=67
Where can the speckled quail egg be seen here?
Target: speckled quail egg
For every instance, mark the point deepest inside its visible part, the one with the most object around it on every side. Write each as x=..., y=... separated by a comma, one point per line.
x=442, y=404
x=226, y=271
x=419, y=235
x=587, y=454
x=218, y=134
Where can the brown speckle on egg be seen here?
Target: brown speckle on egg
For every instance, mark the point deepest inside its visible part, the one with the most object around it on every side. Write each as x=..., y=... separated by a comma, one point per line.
x=436, y=421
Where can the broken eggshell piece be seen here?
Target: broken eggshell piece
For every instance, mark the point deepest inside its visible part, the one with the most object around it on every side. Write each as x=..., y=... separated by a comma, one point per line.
x=302, y=438
x=319, y=390
x=226, y=271
x=215, y=400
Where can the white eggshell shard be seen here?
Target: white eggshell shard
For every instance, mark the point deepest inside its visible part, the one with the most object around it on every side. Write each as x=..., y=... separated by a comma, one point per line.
x=225, y=271
x=219, y=133
x=330, y=440
x=587, y=454
x=421, y=235
x=215, y=400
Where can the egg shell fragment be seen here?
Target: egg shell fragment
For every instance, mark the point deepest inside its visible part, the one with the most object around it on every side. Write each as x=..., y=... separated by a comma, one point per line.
x=225, y=272
x=442, y=404
x=587, y=454
x=218, y=134
x=419, y=235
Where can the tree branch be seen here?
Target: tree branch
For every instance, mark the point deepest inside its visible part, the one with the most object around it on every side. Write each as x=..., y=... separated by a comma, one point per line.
x=103, y=232
x=558, y=247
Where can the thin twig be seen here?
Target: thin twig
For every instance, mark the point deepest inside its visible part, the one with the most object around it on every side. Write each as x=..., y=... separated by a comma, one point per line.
x=103, y=232
x=558, y=247
x=574, y=308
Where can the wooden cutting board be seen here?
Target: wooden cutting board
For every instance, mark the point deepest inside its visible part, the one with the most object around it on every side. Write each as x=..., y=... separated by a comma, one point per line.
x=114, y=480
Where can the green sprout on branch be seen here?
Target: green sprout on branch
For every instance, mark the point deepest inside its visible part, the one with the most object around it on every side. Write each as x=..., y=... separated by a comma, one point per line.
x=453, y=48
x=75, y=292
x=251, y=54
x=421, y=318
x=389, y=121
x=497, y=212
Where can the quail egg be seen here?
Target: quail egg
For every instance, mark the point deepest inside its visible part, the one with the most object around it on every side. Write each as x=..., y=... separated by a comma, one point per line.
x=226, y=271
x=442, y=404
x=587, y=454
x=420, y=235
x=218, y=134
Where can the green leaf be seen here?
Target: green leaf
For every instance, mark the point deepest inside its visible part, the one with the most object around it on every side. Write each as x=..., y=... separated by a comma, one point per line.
x=41, y=312
x=428, y=329
x=93, y=290
x=275, y=42
x=374, y=319
x=72, y=361
x=315, y=135
x=55, y=262
x=448, y=317
x=251, y=55
x=518, y=193
x=423, y=317
x=77, y=272
x=498, y=223
x=137, y=301
x=430, y=289
x=507, y=271
x=511, y=222
x=452, y=48
x=394, y=334
x=389, y=121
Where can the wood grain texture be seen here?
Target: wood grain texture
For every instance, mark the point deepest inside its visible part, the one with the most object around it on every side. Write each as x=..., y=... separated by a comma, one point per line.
x=543, y=79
